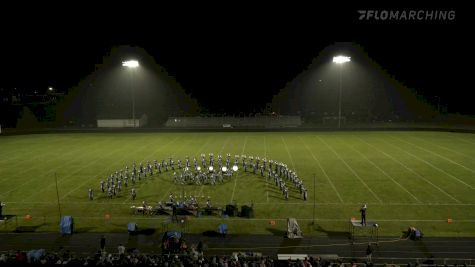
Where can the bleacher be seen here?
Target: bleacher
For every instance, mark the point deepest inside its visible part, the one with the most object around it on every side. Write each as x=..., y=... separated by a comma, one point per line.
x=234, y=122
x=193, y=257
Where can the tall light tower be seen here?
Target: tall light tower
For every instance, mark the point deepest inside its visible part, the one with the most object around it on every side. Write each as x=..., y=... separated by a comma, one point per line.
x=340, y=60
x=132, y=64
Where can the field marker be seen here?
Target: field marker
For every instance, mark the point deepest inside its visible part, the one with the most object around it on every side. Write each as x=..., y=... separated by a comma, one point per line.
x=351, y=169
x=411, y=170
x=381, y=170
x=430, y=164
x=323, y=170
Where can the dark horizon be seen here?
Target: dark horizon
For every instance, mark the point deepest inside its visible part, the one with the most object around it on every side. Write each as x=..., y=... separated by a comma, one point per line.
x=236, y=59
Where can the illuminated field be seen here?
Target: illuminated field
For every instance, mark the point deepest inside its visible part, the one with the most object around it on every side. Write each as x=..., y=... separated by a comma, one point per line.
x=407, y=178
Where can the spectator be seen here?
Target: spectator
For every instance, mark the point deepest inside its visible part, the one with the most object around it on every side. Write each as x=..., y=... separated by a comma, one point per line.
x=369, y=252
x=1, y=207
x=363, y=215
x=103, y=242
x=20, y=257
x=121, y=249
x=200, y=248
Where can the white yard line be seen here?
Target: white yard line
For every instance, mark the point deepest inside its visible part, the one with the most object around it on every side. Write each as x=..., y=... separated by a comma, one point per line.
x=411, y=170
x=194, y=155
x=93, y=203
x=323, y=170
x=288, y=152
x=351, y=169
x=290, y=155
x=385, y=173
x=265, y=156
x=19, y=159
x=33, y=166
x=466, y=141
x=235, y=179
x=219, y=153
x=445, y=148
x=430, y=164
x=265, y=146
x=436, y=154
x=108, y=169
x=63, y=177
x=51, y=172
x=40, y=155
x=174, y=154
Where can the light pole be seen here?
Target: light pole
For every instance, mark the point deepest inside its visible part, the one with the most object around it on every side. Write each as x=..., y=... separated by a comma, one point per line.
x=340, y=60
x=132, y=64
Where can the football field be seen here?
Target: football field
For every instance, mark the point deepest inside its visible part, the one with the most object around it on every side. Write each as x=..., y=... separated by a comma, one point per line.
x=421, y=179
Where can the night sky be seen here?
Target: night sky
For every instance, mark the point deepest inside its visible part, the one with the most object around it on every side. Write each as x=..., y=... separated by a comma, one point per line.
x=239, y=53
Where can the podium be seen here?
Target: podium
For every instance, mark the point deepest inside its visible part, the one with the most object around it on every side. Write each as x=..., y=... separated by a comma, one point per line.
x=370, y=230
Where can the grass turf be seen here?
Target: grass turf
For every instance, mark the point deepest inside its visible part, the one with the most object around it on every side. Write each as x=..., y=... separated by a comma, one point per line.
x=407, y=178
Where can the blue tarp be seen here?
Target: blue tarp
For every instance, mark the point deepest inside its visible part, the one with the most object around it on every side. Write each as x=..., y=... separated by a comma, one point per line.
x=172, y=234
x=132, y=227
x=223, y=228
x=66, y=225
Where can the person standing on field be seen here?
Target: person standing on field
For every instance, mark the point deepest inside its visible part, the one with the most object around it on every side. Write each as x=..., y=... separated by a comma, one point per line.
x=134, y=194
x=363, y=215
x=91, y=194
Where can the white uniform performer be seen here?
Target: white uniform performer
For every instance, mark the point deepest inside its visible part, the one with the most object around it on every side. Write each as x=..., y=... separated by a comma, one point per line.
x=1, y=207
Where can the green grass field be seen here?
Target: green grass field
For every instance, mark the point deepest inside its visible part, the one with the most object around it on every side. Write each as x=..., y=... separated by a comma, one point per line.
x=407, y=178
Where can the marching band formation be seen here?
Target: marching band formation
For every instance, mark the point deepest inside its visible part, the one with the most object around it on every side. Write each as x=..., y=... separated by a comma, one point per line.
x=211, y=171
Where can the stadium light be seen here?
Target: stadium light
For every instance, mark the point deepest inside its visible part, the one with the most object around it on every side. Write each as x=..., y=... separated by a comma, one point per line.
x=132, y=64
x=340, y=60
x=50, y=89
